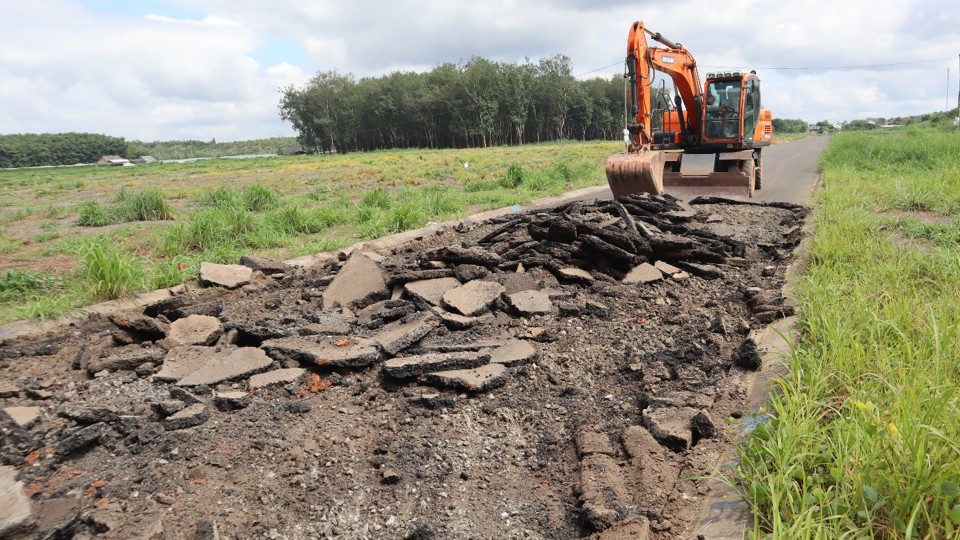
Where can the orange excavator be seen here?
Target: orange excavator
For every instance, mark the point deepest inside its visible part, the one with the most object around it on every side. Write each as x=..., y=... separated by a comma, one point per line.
x=722, y=117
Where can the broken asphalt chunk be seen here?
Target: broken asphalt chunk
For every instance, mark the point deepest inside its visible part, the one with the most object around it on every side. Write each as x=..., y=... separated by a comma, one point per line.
x=515, y=352
x=455, y=321
x=529, y=303
x=359, y=282
x=142, y=327
x=671, y=426
x=644, y=273
x=182, y=361
x=473, y=298
x=227, y=365
x=398, y=336
x=475, y=380
x=228, y=276
x=324, y=350
x=195, y=330
x=277, y=377
x=264, y=265
x=430, y=291
x=126, y=358
x=194, y=415
x=23, y=417
x=82, y=438
x=412, y=366
x=233, y=400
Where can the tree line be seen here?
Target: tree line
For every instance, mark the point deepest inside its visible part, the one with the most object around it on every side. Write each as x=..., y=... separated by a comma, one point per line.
x=32, y=150
x=474, y=104
x=51, y=149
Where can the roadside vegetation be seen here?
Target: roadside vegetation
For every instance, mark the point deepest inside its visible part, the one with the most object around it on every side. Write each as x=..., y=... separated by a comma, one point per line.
x=863, y=439
x=78, y=235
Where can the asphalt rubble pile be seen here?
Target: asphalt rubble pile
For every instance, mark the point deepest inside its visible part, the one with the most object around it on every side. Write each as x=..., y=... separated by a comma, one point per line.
x=548, y=374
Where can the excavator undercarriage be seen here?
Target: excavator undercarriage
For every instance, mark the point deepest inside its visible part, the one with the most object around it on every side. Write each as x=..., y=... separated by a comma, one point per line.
x=735, y=174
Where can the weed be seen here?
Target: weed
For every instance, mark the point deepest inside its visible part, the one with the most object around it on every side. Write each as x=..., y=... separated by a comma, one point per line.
x=91, y=214
x=293, y=221
x=514, y=177
x=18, y=283
x=173, y=271
x=113, y=274
x=220, y=197
x=257, y=198
x=147, y=205
x=376, y=198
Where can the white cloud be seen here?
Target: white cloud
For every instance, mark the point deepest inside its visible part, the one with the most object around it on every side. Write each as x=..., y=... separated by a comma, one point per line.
x=162, y=75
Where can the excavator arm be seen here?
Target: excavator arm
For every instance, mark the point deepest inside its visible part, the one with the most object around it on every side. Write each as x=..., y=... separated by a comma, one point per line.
x=676, y=62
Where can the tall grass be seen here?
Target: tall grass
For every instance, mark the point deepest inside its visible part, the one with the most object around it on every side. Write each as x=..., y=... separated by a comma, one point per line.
x=112, y=272
x=147, y=205
x=864, y=440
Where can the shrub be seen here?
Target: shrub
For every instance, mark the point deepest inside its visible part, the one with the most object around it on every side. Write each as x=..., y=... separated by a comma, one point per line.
x=514, y=178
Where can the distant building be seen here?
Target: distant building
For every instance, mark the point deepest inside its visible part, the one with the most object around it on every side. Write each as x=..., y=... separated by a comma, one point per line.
x=113, y=160
x=292, y=150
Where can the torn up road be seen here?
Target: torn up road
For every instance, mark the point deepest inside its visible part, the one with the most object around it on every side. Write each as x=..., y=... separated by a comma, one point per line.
x=559, y=374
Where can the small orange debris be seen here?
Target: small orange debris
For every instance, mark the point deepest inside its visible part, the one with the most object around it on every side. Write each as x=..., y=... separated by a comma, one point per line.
x=343, y=342
x=102, y=502
x=98, y=484
x=181, y=266
x=224, y=447
x=33, y=457
x=33, y=489
x=314, y=385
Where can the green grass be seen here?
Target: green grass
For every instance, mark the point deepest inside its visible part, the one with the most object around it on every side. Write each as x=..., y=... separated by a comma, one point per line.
x=218, y=210
x=148, y=205
x=112, y=272
x=864, y=440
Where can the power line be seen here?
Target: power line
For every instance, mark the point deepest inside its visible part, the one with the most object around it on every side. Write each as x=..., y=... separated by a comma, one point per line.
x=584, y=74
x=863, y=66
x=796, y=68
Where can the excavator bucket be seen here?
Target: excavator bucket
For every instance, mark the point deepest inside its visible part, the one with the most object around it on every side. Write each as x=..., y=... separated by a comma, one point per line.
x=629, y=173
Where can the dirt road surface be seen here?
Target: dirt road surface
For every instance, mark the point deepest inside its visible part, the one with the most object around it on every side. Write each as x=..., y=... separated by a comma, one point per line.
x=565, y=373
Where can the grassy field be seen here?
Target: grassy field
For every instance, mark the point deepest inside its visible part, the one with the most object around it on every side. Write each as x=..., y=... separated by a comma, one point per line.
x=72, y=236
x=864, y=440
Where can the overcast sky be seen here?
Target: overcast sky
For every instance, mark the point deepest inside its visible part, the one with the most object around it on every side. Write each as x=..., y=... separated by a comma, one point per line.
x=202, y=69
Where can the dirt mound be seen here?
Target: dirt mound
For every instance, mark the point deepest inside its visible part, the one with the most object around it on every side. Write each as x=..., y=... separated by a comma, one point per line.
x=543, y=375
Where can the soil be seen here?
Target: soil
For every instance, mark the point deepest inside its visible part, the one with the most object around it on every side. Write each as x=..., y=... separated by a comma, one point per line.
x=612, y=428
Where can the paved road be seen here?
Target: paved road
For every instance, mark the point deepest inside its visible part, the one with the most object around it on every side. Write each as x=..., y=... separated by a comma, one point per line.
x=789, y=170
